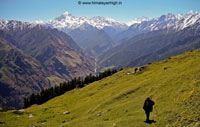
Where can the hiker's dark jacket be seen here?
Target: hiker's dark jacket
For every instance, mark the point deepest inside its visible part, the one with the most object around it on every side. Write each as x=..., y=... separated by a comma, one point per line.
x=148, y=105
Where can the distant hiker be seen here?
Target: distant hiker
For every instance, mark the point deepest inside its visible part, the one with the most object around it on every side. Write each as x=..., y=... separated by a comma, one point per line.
x=148, y=107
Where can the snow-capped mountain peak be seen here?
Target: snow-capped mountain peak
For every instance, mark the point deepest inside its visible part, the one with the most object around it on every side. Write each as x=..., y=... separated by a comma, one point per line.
x=168, y=21
x=66, y=13
x=101, y=22
x=189, y=19
x=64, y=16
x=68, y=21
x=137, y=20
x=38, y=22
x=13, y=24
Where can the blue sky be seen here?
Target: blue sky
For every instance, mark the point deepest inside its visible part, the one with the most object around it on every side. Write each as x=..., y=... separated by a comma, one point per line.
x=30, y=10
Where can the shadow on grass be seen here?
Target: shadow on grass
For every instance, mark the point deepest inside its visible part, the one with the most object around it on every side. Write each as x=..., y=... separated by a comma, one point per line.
x=2, y=123
x=150, y=121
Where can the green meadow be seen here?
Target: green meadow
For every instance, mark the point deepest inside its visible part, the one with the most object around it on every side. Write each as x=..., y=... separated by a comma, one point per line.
x=117, y=101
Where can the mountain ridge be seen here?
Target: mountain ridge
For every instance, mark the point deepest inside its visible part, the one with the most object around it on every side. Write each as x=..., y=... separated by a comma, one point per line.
x=20, y=74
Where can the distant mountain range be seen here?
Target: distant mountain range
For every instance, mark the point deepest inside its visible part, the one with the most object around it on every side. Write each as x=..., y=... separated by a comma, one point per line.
x=37, y=55
x=95, y=35
x=169, y=21
x=153, y=40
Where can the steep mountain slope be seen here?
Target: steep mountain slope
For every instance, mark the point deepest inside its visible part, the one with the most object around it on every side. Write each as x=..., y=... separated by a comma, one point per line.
x=54, y=49
x=152, y=46
x=187, y=39
x=174, y=85
x=20, y=75
x=91, y=39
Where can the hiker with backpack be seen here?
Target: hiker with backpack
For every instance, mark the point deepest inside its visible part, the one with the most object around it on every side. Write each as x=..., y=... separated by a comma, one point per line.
x=148, y=107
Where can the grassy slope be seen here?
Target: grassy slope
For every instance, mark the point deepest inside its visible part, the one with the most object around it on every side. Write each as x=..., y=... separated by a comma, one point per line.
x=118, y=100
